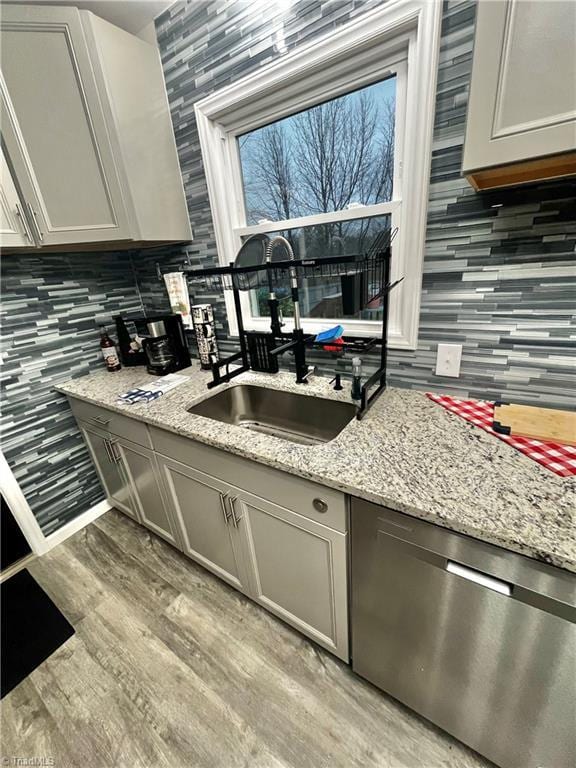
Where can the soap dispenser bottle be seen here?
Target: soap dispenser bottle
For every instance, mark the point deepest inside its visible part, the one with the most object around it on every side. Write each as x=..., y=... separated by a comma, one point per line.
x=356, y=378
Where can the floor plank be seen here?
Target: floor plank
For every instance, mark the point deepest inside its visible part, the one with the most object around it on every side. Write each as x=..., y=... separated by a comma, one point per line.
x=198, y=724
x=100, y=725
x=28, y=728
x=171, y=667
x=75, y=588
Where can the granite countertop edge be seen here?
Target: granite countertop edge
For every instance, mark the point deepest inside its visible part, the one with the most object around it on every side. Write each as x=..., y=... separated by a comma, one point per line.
x=510, y=539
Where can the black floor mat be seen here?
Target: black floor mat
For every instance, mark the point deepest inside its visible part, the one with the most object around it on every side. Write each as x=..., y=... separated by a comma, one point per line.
x=32, y=629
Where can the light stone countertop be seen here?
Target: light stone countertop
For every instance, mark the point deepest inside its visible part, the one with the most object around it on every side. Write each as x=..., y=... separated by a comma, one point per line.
x=407, y=453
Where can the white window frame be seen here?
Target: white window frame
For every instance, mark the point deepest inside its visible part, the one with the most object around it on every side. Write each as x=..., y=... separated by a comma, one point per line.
x=400, y=37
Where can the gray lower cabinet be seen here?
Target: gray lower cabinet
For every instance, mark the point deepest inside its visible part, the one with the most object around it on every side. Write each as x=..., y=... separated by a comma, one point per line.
x=298, y=570
x=139, y=465
x=130, y=478
x=291, y=565
x=110, y=469
x=202, y=506
x=293, y=562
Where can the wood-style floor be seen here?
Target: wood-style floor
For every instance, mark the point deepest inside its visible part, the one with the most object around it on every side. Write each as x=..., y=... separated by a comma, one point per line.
x=171, y=667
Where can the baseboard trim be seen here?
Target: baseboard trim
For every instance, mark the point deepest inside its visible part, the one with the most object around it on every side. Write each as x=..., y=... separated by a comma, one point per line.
x=75, y=525
x=19, y=565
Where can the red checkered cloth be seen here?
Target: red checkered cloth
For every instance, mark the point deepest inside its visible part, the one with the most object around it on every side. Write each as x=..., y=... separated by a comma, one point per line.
x=558, y=458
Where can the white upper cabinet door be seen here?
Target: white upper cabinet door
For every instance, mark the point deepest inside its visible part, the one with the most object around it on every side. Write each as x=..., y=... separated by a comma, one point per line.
x=14, y=228
x=129, y=75
x=54, y=129
x=523, y=91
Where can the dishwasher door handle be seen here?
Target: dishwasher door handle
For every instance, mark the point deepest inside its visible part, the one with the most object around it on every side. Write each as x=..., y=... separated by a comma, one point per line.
x=557, y=606
x=479, y=578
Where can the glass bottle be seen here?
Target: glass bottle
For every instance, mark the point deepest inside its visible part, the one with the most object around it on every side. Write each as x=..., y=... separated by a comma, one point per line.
x=109, y=352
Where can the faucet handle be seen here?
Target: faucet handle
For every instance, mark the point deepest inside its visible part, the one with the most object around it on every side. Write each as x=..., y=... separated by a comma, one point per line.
x=336, y=379
x=311, y=370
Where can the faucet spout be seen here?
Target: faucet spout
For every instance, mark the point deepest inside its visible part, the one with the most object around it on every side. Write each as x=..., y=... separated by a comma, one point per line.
x=274, y=242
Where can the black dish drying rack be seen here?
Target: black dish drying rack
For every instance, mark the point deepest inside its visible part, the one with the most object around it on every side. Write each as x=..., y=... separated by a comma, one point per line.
x=370, y=267
x=369, y=276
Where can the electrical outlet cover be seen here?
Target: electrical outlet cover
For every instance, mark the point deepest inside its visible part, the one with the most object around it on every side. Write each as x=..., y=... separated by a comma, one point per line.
x=448, y=360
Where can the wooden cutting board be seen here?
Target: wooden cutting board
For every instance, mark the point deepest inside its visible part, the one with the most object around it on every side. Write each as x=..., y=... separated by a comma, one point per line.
x=545, y=424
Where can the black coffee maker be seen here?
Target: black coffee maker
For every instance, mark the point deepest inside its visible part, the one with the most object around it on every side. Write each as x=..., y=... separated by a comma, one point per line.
x=157, y=341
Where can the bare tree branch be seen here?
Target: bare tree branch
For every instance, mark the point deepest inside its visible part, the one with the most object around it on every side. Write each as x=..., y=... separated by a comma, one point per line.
x=270, y=174
x=322, y=160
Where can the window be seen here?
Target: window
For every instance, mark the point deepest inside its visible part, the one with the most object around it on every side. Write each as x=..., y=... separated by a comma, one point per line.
x=327, y=146
x=330, y=157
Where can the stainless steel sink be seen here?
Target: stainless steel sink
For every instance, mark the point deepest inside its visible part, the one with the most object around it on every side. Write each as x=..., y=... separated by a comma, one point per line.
x=300, y=418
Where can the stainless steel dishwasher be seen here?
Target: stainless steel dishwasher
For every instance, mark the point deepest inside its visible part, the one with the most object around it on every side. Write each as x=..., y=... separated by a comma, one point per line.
x=478, y=640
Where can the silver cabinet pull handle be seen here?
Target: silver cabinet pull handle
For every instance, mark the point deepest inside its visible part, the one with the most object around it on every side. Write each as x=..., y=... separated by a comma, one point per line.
x=479, y=578
x=235, y=517
x=22, y=217
x=107, y=446
x=320, y=505
x=115, y=456
x=34, y=216
x=100, y=420
x=223, y=497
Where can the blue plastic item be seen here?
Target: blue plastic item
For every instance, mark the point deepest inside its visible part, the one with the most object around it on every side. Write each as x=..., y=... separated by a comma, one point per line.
x=331, y=334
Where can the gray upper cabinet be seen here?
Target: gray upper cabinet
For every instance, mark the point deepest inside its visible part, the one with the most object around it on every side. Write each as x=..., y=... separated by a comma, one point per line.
x=87, y=130
x=55, y=130
x=521, y=123
x=14, y=231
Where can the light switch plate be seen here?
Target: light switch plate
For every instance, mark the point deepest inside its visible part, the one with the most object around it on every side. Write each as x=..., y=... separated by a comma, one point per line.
x=448, y=359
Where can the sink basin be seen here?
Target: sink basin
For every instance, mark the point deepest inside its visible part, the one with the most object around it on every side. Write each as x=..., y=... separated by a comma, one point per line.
x=300, y=418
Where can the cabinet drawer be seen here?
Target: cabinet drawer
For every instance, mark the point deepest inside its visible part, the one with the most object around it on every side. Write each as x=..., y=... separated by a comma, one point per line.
x=317, y=502
x=113, y=422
